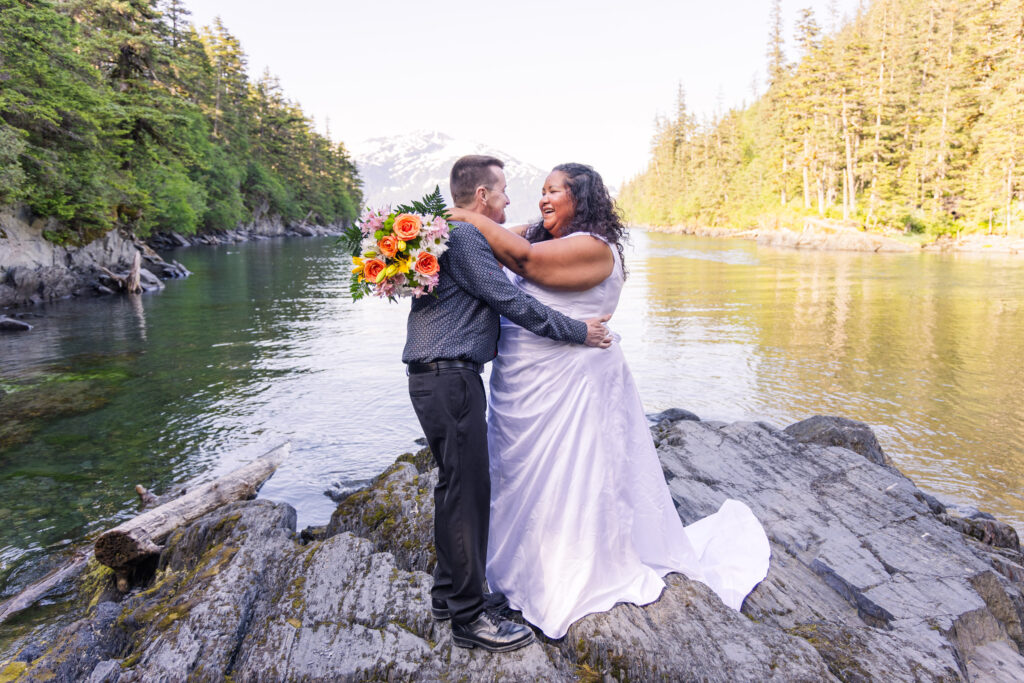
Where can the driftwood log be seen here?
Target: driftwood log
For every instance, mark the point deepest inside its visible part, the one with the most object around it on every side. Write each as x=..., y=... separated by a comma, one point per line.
x=126, y=546
x=32, y=593
x=130, y=283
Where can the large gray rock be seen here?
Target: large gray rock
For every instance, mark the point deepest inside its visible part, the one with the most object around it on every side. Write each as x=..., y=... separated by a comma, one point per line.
x=866, y=583
x=861, y=566
x=826, y=430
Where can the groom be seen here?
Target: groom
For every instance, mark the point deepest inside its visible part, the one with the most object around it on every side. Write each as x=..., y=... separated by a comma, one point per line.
x=450, y=337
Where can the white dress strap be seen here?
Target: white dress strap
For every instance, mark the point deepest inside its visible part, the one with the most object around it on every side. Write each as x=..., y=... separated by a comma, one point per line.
x=589, y=234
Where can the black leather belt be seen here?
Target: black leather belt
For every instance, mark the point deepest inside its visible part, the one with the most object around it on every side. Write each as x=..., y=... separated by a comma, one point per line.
x=420, y=368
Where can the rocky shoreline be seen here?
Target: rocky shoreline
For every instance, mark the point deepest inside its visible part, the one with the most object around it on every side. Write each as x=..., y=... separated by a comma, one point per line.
x=34, y=270
x=822, y=235
x=870, y=579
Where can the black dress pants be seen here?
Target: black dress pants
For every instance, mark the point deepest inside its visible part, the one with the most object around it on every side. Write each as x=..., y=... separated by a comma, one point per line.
x=452, y=408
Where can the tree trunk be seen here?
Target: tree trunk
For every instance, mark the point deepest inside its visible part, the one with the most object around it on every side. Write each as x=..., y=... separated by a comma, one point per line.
x=849, y=177
x=806, y=174
x=1009, y=194
x=125, y=546
x=880, y=96
x=782, y=195
x=132, y=284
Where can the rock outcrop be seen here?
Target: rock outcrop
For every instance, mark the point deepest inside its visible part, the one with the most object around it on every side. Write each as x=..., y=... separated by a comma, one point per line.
x=814, y=235
x=870, y=579
x=834, y=240
x=257, y=230
x=33, y=269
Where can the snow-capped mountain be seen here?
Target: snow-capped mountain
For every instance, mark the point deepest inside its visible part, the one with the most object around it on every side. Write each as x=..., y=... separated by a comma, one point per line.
x=403, y=168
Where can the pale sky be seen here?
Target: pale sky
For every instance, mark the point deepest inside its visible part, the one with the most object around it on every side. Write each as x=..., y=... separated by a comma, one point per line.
x=546, y=82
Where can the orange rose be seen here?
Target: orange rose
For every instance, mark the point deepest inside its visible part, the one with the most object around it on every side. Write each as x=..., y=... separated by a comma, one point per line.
x=372, y=268
x=388, y=245
x=426, y=264
x=407, y=226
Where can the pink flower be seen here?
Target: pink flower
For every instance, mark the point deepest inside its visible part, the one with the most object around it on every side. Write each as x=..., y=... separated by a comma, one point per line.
x=438, y=228
x=372, y=221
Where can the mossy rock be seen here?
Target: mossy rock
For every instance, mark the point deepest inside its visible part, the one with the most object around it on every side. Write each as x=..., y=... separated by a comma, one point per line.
x=422, y=460
x=396, y=513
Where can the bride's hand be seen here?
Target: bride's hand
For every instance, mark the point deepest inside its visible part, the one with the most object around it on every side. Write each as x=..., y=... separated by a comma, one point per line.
x=457, y=214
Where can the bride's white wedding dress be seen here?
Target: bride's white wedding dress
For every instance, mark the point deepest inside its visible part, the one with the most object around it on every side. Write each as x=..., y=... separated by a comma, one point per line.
x=581, y=516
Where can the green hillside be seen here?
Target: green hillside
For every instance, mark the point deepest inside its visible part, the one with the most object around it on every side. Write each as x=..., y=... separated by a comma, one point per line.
x=120, y=113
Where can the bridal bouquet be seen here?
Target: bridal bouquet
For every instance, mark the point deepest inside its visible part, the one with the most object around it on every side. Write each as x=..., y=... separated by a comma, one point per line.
x=395, y=252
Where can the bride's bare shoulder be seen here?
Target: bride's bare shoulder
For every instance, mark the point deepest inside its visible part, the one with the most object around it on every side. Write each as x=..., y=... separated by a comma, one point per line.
x=585, y=241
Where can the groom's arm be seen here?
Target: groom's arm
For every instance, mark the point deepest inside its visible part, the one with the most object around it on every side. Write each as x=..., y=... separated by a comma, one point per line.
x=471, y=264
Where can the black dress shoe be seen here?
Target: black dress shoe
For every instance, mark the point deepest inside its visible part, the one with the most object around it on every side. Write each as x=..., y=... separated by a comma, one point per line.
x=495, y=603
x=493, y=635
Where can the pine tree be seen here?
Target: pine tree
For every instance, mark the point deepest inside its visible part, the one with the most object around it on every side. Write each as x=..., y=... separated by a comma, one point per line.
x=908, y=115
x=118, y=113
x=56, y=120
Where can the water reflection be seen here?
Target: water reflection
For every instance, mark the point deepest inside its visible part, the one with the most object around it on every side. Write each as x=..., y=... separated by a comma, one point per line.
x=923, y=347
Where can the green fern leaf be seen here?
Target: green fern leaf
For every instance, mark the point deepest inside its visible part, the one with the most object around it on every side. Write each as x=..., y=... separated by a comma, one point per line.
x=350, y=240
x=431, y=205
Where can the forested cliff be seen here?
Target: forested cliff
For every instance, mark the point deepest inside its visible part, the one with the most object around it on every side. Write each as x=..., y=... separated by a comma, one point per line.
x=121, y=113
x=910, y=115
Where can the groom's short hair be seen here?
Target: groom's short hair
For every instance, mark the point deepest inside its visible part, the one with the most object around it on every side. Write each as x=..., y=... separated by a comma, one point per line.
x=469, y=173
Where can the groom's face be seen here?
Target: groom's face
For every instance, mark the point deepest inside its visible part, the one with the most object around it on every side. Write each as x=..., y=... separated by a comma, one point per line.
x=495, y=199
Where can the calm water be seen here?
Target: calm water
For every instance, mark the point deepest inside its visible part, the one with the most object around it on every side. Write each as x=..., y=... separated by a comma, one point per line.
x=262, y=345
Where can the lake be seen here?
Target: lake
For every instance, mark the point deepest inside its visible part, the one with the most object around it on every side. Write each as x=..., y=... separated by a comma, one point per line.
x=263, y=345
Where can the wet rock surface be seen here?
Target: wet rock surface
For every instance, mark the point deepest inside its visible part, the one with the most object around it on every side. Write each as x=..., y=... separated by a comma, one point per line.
x=867, y=582
x=8, y=324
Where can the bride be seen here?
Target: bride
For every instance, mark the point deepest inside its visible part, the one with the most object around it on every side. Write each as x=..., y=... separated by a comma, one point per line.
x=581, y=516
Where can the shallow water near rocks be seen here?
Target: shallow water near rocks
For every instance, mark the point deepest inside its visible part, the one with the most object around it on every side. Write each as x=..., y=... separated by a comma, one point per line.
x=262, y=345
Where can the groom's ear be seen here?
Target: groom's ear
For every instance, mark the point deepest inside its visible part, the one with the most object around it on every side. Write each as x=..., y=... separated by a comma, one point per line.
x=479, y=197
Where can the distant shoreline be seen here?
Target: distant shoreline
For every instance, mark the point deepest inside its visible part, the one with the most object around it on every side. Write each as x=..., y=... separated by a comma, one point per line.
x=819, y=235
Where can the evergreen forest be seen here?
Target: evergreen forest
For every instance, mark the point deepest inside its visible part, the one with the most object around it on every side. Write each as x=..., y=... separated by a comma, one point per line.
x=908, y=116
x=120, y=113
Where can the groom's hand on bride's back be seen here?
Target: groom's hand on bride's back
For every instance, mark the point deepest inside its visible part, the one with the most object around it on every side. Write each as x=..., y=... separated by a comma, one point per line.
x=597, y=334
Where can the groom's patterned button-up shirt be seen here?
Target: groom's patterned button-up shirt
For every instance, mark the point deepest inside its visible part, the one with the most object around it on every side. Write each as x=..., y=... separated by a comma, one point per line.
x=462, y=321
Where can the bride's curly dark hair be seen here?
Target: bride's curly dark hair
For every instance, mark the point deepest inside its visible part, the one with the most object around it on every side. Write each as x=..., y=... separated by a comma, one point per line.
x=593, y=209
